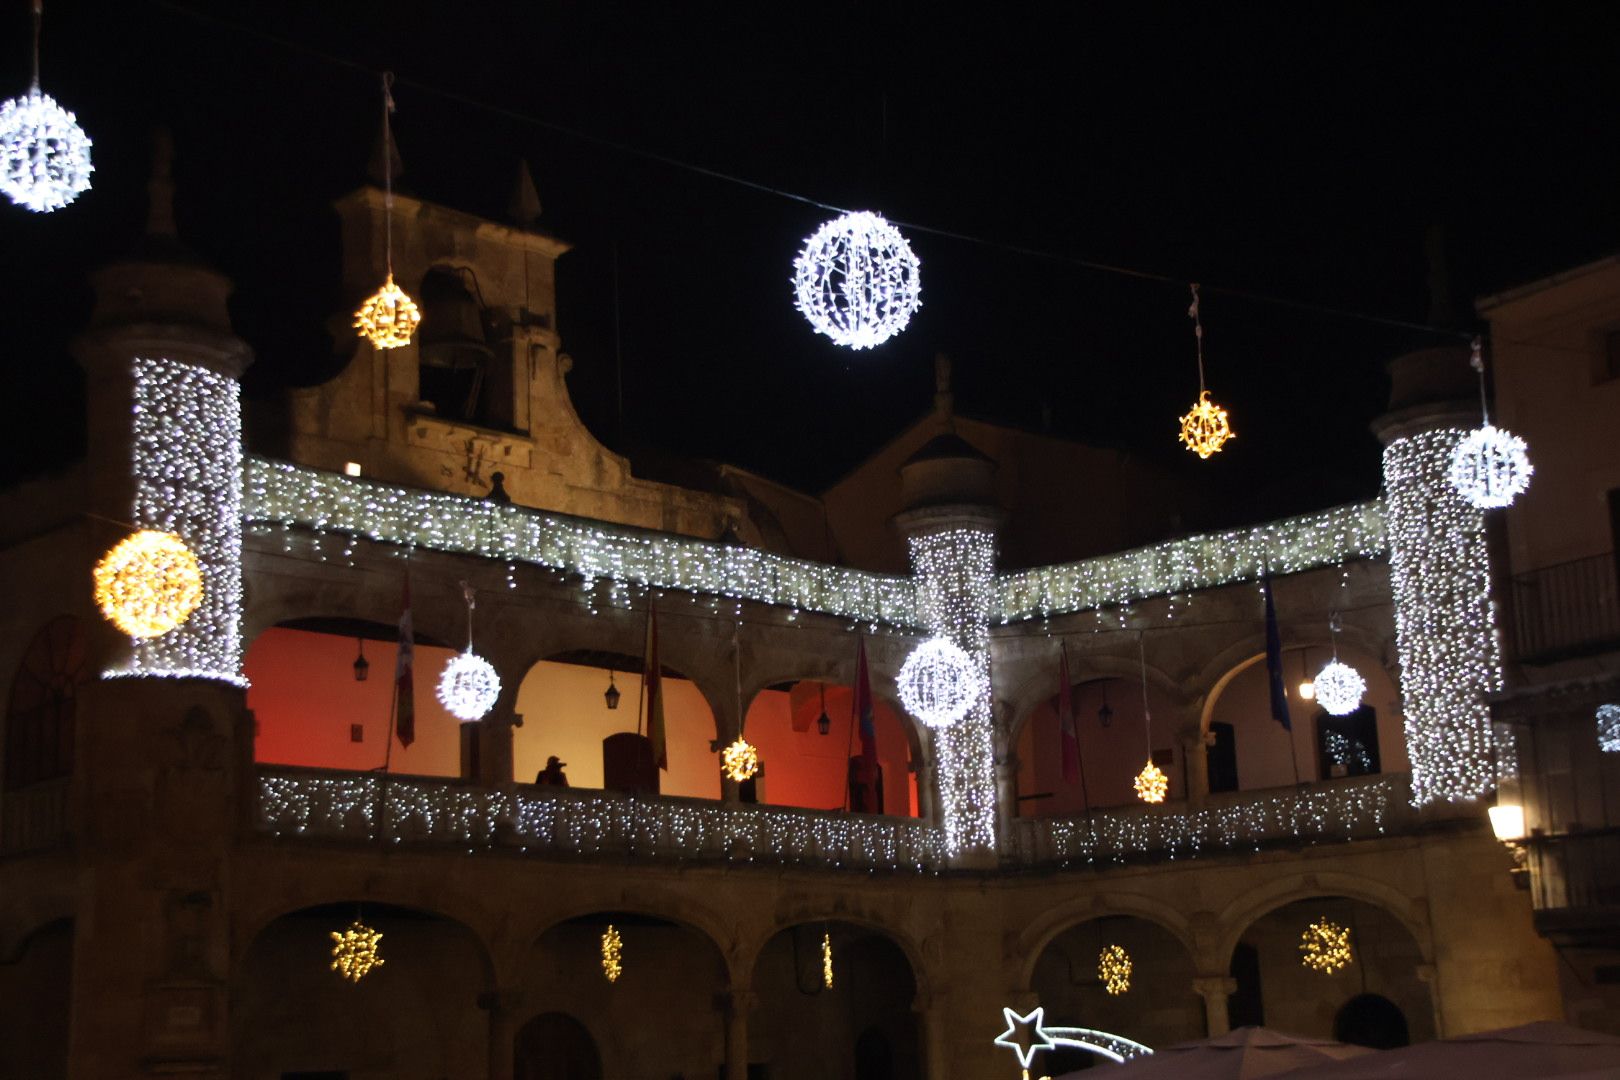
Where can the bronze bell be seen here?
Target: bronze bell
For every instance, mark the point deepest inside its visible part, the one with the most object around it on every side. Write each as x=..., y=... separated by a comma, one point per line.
x=452, y=334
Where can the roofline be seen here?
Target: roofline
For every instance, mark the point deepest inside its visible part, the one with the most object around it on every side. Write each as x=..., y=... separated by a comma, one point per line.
x=1519, y=292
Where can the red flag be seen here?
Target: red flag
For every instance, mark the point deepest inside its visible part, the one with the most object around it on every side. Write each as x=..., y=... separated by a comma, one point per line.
x=1066, y=728
x=868, y=761
x=404, y=689
x=651, y=678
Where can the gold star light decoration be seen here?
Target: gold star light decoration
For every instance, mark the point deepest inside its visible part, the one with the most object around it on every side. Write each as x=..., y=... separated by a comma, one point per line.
x=740, y=760
x=1325, y=946
x=826, y=961
x=1114, y=969
x=612, y=954
x=1151, y=783
x=148, y=584
x=354, y=951
x=1206, y=427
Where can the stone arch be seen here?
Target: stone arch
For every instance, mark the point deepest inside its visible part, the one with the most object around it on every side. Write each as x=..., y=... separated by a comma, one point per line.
x=1037, y=689
x=916, y=733
x=803, y=912
x=655, y=904
x=25, y=919
x=1045, y=928
x=1237, y=917
x=248, y=924
x=1218, y=672
x=560, y=1039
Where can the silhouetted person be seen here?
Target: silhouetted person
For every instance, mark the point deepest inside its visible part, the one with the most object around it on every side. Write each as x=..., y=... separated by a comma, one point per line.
x=552, y=775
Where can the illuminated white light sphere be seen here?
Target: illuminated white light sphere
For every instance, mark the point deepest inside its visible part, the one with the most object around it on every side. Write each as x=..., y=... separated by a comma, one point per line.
x=1339, y=688
x=1490, y=467
x=856, y=280
x=1608, y=728
x=469, y=686
x=46, y=154
x=938, y=683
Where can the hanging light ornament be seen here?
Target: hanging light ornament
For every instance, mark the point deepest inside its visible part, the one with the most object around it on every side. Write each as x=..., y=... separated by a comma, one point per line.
x=1151, y=784
x=1206, y=427
x=148, y=584
x=469, y=686
x=44, y=153
x=826, y=961
x=354, y=951
x=1339, y=687
x=1114, y=969
x=856, y=280
x=938, y=683
x=388, y=318
x=740, y=760
x=1325, y=946
x=1608, y=728
x=612, y=954
x=1490, y=467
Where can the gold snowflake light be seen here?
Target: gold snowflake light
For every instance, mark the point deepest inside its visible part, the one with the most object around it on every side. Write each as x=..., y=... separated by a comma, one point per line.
x=354, y=951
x=388, y=318
x=740, y=760
x=148, y=584
x=1114, y=969
x=1151, y=783
x=826, y=961
x=1206, y=427
x=1325, y=946
x=612, y=954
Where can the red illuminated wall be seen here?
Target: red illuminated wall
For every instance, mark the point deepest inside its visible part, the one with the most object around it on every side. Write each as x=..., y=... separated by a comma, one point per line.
x=806, y=768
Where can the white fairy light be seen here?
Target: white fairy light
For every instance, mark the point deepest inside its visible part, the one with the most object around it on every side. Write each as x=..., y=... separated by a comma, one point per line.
x=938, y=683
x=1608, y=728
x=1491, y=467
x=856, y=280
x=469, y=686
x=1339, y=688
x=186, y=460
x=44, y=153
x=1445, y=622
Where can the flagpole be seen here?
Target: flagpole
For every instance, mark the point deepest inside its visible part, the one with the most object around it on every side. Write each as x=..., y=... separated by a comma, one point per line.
x=646, y=636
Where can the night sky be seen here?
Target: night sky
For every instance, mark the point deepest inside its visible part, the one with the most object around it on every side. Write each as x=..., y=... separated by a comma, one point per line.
x=1292, y=150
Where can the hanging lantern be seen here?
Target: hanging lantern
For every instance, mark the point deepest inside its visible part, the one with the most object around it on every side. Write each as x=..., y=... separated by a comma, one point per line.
x=1206, y=428
x=612, y=954
x=469, y=686
x=362, y=666
x=1151, y=783
x=1490, y=467
x=740, y=761
x=856, y=280
x=354, y=951
x=1325, y=946
x=939, y=683
x=1608, y=728
x=823, y=722
x=388, y=318
x=1114, y=969
x=148, y=584
x=611, y=694
x=1339, y=688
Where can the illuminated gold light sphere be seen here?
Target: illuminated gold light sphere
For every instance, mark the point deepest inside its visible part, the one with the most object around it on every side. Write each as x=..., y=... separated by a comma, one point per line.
x=1114, y=969
x=1206, y=427
x=1325, y=946
x=826, y=961
x=354, y=951
x=148, y=584
x=1151, y=783
x=740, y=760
x=388, y=318
x=612, y=954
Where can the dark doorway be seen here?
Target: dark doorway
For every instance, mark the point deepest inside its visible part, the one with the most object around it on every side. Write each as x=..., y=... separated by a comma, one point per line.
x=1244, y=1006
x=555, y=1046
x=1221, y=754
x=1371, y=1020
x=1347, y=745
x=874, y=1060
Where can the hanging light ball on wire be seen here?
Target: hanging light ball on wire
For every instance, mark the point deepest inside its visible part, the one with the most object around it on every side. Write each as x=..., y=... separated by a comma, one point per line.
x=354, y=951
x=44, y=153
x=1206, y=427
x=856, y=280
x=388, y=318
x=148, y=584
x=469, y=686
x=938, y=683
x=1325, y=947
x=740, y=760
x=1114, y=969
x=1151, y=784
x=1339, y=688
x=1490, y=467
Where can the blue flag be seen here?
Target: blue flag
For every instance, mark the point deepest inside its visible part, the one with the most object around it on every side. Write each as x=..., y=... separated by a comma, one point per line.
x=1274, y=667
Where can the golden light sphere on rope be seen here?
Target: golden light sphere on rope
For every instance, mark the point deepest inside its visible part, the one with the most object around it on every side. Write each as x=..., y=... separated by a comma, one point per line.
x=1325, y=946
x=1206, y=428
x=1151, y=783
x=740, y=760
x=148, y=584
x=354, y=951
x=1114, y=969
x=388, y=318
